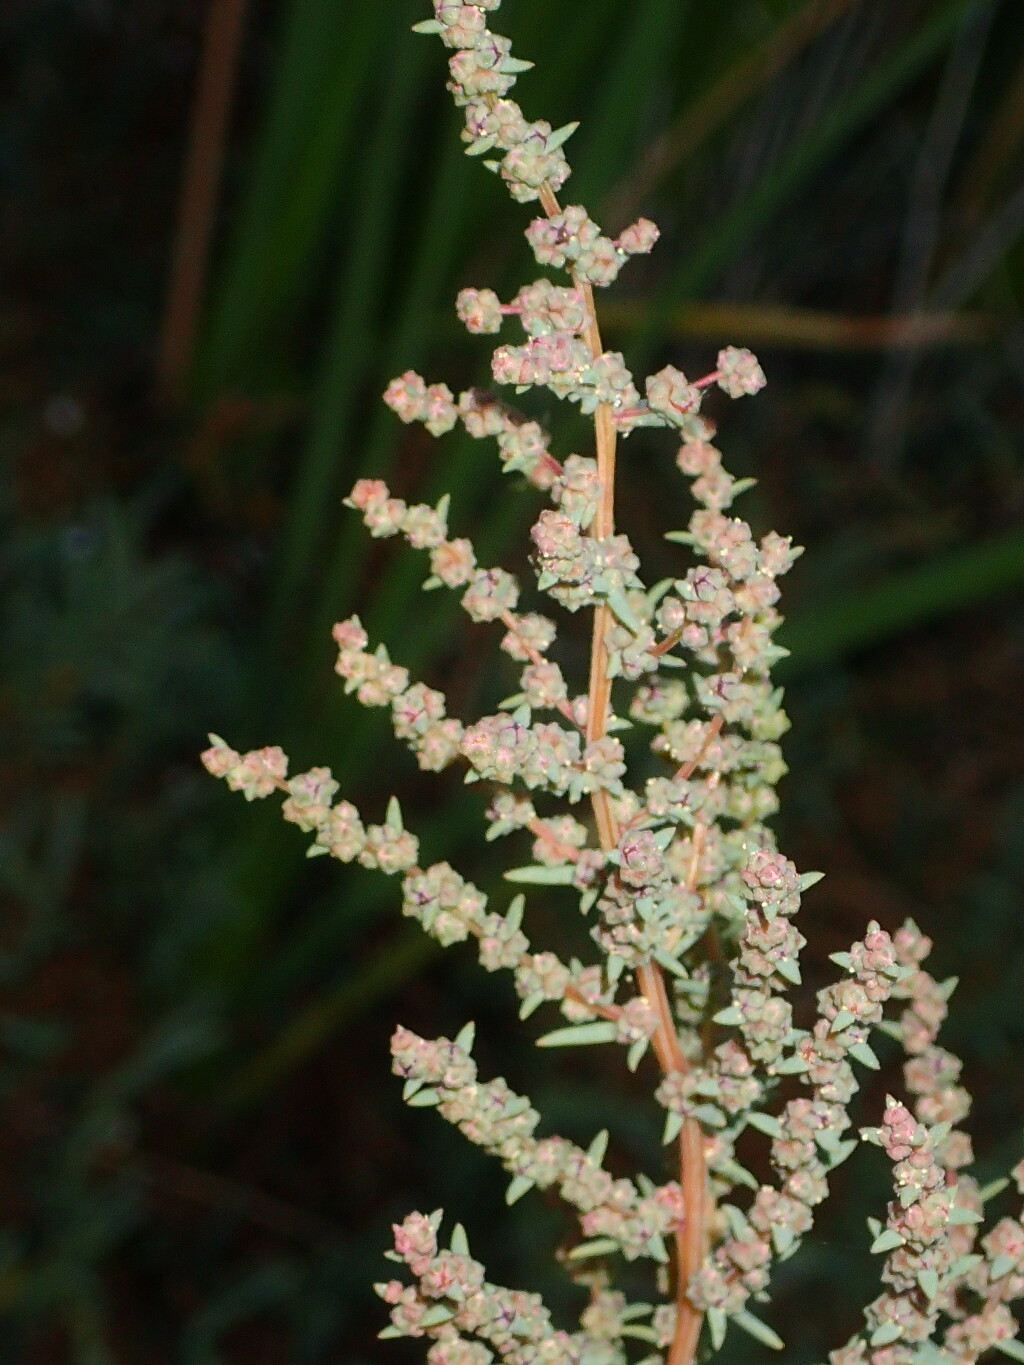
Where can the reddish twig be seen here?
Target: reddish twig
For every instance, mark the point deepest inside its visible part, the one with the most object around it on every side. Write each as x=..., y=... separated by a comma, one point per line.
x=690, y=1234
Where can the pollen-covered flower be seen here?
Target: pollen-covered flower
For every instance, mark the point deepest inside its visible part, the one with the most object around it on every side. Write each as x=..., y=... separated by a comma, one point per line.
x=479, y=310
x=739, y=372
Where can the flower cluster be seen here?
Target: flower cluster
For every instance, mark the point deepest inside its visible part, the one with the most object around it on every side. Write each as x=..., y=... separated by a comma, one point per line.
x=691, y=907
x=442, y=1074
x=451, y=1303
x=339, y=829
x=807, y=1135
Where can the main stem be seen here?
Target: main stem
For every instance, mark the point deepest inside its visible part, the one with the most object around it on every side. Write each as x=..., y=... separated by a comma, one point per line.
x=690, y=1235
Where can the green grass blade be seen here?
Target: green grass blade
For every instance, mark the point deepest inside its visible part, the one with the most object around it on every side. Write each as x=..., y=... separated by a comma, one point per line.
x=640, y=58
x=841, y=121
x=321, y=77
x=819, y=636
x=351, y=343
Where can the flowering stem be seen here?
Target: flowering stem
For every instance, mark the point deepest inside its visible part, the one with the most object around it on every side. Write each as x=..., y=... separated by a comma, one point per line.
x=690, y=1235
x=511, y=624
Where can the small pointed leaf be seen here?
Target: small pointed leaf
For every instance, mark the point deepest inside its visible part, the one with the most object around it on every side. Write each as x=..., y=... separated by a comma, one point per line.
x=600, y=1246
x=730, y=1015
x=766, y=1123
x=886, y=1334
x=423, y=1099
x=532, y=1001
x=538, y=874
x=993, y=1188
x=580, y=1035
x=958, y=1217
x=789, y=968
x=863, y=1053
x=517, y=1188
x=717, y=1323
x=598, y=1147
x=636, y=1053
x=619, y=603
x=514, y=913
x=560, y=136
x=929, y=1282
x=759, y=1330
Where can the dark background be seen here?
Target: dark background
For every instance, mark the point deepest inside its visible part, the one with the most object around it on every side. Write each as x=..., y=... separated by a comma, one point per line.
x=201, y=1147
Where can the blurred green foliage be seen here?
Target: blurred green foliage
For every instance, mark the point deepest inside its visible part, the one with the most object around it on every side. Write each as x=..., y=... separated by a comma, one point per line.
x=202, y=1148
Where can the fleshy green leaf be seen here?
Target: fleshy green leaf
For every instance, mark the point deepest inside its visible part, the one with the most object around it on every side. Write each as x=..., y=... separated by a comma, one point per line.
x=532, y=1002
x=862, y=1053
x=766, y=1123
x=619, y=603
x=710, y=1115
x=560, y=136
x=789, y=968
x=958, y=1217
x=600, y=1246
x=929, y=1282
x=670, y=964
x=537, y=874
x=640, y=1334
x=423, y=1099
x=436, y=1315
x=730, y=1015
x=791, y=1066
x=580, y=1035
x=517, y=1188
x=886, y=1334
x=717, y=1323
x=514, y=913
x=759, y=1330
x=841, y=1152
x=598, y=1147
x=673, y=1126
x=636, y=1053
x=993, y=1188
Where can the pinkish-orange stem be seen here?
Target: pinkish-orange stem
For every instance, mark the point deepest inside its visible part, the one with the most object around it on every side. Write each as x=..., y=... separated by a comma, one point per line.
x=690, y=1235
